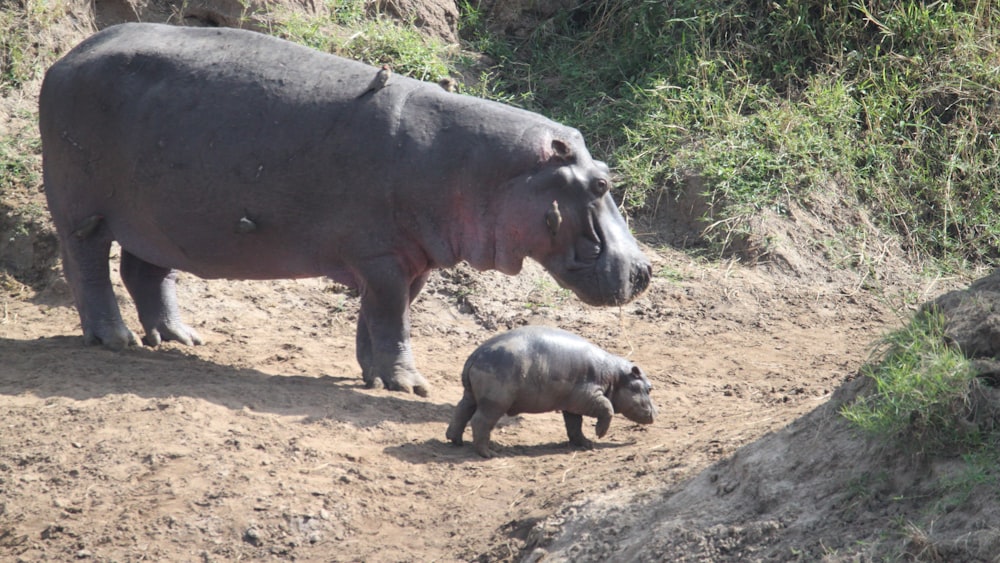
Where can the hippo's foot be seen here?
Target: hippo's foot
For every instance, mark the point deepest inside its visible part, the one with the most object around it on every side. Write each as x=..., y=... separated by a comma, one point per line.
x=574, y=429
x=484, y=450
x=176, y=331
x=407, y=380
x=602, y=426
x=113, y=336
x=454, y=434
x=464, y=412
x=483, y=421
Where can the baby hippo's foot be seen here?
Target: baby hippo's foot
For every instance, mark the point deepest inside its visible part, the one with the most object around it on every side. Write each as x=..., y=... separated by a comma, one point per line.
x=176, y=331
x=454, y=435
x=464, y=412
x=112, y=335
x=602, y=426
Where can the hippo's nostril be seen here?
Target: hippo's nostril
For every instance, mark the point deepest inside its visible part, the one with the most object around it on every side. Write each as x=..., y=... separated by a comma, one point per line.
x=640, y=278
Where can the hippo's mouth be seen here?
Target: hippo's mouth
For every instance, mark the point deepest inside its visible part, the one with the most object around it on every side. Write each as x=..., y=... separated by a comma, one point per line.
x=636, y=407
x=589, y=250
x=603, y=265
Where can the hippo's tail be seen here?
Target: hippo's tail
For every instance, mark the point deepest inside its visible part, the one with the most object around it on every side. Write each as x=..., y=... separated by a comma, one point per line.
x=465, y=371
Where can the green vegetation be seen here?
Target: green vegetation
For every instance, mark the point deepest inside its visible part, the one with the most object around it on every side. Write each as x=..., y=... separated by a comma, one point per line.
x=926, y=399
x=922, y=388
x=21, y=58
x=897, y=102
x=348, y=32
x=926, y=392
x=19, y=152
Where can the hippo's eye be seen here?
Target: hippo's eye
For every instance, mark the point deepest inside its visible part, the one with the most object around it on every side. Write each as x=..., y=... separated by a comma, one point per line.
x=601, y=187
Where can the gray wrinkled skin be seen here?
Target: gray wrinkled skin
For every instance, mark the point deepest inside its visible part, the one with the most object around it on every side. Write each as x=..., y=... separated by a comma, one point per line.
x=231, y=154
x=539, y=369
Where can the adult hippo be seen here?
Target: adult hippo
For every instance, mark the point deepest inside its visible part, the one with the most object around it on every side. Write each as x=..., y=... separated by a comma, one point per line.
x=231, y=154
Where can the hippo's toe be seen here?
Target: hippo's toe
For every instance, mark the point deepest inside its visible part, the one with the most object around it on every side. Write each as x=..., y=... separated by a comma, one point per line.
x=178, y=332
x=114, y=337
x=405, y=380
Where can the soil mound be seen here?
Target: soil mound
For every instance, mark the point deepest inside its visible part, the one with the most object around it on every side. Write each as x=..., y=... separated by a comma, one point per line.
x=815, y=490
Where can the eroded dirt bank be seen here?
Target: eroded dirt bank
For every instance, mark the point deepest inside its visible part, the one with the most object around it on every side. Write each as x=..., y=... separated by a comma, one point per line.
x=263, y=442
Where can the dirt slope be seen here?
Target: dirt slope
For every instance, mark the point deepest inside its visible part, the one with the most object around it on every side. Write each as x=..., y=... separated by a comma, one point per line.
x=264, y=443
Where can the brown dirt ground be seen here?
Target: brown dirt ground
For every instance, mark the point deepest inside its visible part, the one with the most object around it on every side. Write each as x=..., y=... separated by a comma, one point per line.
x=264, y=443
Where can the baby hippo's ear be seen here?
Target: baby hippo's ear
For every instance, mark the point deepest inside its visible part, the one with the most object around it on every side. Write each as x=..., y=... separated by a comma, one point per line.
x=636, y=375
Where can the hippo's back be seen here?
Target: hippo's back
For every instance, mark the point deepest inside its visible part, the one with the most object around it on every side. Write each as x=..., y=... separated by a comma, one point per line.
x=171, y=134
x=537, y=351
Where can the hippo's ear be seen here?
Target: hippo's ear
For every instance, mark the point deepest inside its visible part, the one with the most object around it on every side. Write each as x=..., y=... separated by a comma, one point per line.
x=558, y=151
x=636, y=375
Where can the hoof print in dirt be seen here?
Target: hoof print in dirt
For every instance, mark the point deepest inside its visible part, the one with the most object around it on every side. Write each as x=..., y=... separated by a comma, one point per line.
x=540, y=369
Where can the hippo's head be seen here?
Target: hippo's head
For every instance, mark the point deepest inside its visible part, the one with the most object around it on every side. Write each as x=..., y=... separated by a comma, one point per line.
x=569, y=223
x=630, y=396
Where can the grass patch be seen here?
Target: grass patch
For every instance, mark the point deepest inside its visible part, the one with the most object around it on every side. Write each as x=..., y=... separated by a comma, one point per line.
x=922, y=390
x=766, y=101
x=348, y=31
x=23, y=57
x=927, y=399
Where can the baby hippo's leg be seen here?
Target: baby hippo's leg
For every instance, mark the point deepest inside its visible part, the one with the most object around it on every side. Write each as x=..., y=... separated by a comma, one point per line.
x=463, y=413
x=602, y=426
x=574, y=428
x=486, y=417
x=594, y=403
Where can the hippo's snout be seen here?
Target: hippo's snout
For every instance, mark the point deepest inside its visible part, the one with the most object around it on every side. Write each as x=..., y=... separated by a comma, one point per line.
x=634, y=402
x=621, y=282
x=639, y=279
x=607, y=265
x=644, y=416
x=640, y=409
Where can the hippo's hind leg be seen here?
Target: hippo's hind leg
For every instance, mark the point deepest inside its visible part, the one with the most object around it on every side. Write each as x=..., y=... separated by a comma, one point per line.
x=85, y=255
x=363, y=352
x=463, y=413
x=153, y=288
x=483, y=421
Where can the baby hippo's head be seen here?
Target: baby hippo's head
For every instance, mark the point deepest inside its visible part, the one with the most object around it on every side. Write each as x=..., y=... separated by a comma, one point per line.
x=630, y=396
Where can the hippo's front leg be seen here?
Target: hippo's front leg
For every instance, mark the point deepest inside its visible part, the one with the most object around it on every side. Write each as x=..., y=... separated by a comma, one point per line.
x=594, y=404
x=383, y=339
x=574, y=428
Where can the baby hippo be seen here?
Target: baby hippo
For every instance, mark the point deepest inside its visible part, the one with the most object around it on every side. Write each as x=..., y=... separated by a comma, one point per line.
x=539, y=369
